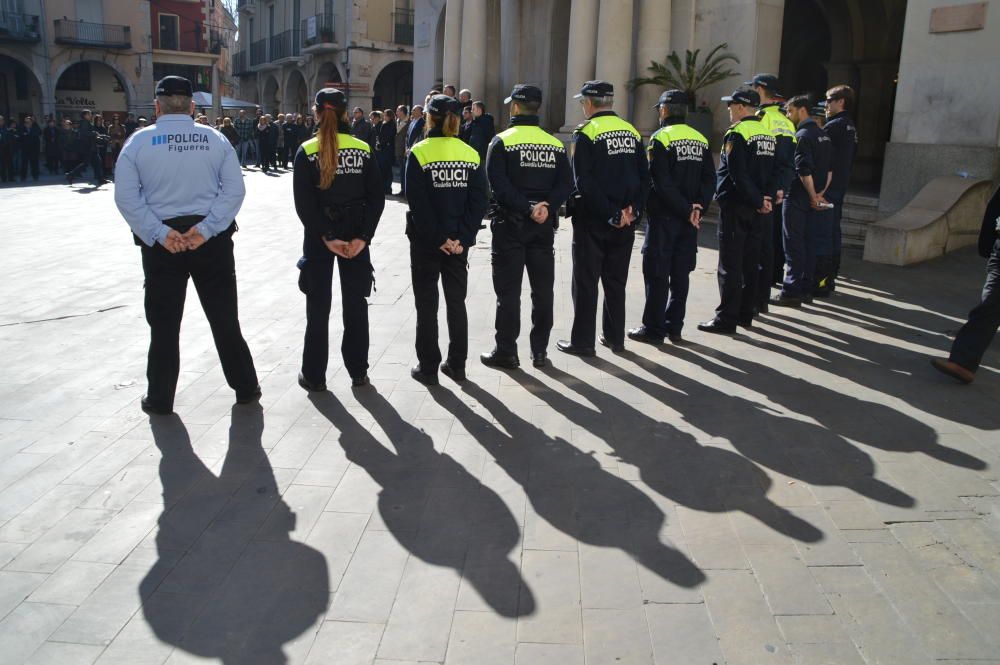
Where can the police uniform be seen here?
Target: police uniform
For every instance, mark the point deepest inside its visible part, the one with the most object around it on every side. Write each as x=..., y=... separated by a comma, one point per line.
x=611, y=173
x=348, y=209
x=525, y=165
x=446, y=190
x=844, y=139
x=178, y=175
x=683, y=177
x=807, y=234
x=772, y=257
x=746, y=175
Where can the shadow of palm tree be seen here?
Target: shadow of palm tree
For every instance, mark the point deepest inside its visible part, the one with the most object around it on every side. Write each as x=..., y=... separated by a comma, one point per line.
x=249, y=591
x=568, y=488
x=432, y=505
x=672, y=462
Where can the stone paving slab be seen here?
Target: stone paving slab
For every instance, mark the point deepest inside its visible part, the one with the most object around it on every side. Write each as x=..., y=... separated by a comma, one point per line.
x=806, y=492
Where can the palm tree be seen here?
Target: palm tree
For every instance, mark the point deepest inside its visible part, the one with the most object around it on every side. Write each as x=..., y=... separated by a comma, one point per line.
x=689, y=76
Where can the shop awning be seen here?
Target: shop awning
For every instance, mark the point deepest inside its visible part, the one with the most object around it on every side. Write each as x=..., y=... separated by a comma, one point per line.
x=204, y=100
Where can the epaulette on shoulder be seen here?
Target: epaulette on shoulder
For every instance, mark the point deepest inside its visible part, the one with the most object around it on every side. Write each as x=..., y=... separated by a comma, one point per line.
x=582, y=125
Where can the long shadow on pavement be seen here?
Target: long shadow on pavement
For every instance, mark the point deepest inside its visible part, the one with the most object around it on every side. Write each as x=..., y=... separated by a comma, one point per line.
x=568, y=488
x=672, y=462
x=239, y=593
x=432, y=505
x=795, y=448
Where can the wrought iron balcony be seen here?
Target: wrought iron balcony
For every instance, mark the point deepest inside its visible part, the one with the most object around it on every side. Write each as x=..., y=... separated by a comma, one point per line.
x=318, y=30
x=402, y=32
x=285, y=45
x=18, y=27
x=85, y=33
x=241, y=65
x=258, y=53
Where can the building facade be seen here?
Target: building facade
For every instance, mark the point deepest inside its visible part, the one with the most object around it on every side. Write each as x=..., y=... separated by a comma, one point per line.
x=927, y=72
x=193, y=39
x=63, y=56
x=288, y=49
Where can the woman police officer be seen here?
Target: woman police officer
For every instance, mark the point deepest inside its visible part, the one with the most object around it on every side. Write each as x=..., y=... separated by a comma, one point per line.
x=446, y=190
x=338, y=197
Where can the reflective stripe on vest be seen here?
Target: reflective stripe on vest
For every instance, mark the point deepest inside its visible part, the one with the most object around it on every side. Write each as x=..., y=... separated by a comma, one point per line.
x=344, y=142
x=673, y=133
x=750, y=130
x=439, y=149
x=777, y=123
x=599, y=126
x=529, y=135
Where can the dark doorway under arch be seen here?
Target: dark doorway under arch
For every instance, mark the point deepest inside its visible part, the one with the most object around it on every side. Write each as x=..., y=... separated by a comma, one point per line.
x=393, y=85
x=20, y=92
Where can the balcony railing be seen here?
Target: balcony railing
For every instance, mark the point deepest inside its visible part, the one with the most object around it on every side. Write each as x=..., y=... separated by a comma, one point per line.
x=402, y=32
x=18, y=27
x=318, y=29
x=285, y=45
x=84, y=33
x=240, y=64
x=258, y=52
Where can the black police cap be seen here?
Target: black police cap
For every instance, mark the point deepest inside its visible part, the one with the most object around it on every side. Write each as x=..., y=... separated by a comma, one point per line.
x=443, y=104
x=596, y=89
x=672, y=97
x=174, y=85
x=523, y=92
x=743, y=96
x=768, y=81
x=331, y=97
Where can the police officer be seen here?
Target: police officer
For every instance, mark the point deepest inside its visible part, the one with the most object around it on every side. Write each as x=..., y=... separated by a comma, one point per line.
x=530, y=177
x=771, y=114
x=844, y=138
x=611, y=174
x=339, y=199
x=978, y=332
x=683, y=182
x=179, y=187
x=806, y=215
x=746, y=174
x=447, y=193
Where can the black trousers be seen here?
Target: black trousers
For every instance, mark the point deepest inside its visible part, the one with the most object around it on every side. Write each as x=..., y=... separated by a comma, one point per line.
x=739, y=261
x=428, y=265
x=599, y=256
x=771, y=257
x=212, y=269
x=52, y=162
x=668, y=257
x=6, y=165
x=516, y=247
x=977, y=334
x=29, y=159
x=316, y=281
x=266, y=157
x=93, y=160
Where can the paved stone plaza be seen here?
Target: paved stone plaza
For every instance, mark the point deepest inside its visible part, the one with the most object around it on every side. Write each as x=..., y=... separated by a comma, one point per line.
x=810, y=492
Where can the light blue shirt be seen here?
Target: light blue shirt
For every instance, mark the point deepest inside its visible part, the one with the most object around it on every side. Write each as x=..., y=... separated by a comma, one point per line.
x=177, y=168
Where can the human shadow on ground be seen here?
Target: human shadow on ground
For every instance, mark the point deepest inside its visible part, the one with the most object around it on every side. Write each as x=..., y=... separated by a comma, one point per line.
x=862, y=421
x=432, y=505
x=672, y=462
x=891, y=370
x=794, y=448
x=569, y=490
x=241, y=589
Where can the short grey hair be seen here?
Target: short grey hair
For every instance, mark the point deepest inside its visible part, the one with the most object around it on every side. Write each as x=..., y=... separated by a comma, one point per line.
x=602, y=102
x=174, y=104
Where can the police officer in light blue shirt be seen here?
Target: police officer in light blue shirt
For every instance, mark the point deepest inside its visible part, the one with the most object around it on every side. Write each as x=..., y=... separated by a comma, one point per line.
x=179, y=186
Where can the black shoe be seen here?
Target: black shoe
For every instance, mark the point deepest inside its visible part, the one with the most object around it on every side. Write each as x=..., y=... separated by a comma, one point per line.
x=539, y=359
x=807, y=299
x=360, y=381
x=69, y=179
x=453, y=372
x=311, y=386
x=568, y=347
x=427, y=379
x=675, y=338
x=786, y=301
x=496, y=359
x=615, y=348
x=823, y=294
x=642, y=334
x=745, y=323
x=247, y=398
x=763, y=308
x=154, y=409
x=717, y=327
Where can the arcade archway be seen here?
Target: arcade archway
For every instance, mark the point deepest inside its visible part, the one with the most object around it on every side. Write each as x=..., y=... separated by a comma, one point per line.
x=20, y=91
x=93, y=86
x=270, y=98
x=328, y=74
x=296, y=94
x=393, y=85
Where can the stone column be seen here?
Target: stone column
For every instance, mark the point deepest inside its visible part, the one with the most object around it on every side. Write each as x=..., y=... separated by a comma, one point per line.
x=654, y=44
x=582, y=56
x=614, y=49
x=452, y=42
x=510, y=36
x=472, y=68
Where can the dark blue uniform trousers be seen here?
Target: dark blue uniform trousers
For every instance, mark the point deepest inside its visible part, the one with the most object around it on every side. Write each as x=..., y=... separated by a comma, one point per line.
x=428, y=266
x=800, y=262
x=669, y=255
x=770, y=248
x=976, y=335
x=518, y=246
x=599, y=256
x=316, y=281
x=739, y=264
x=837, y=199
